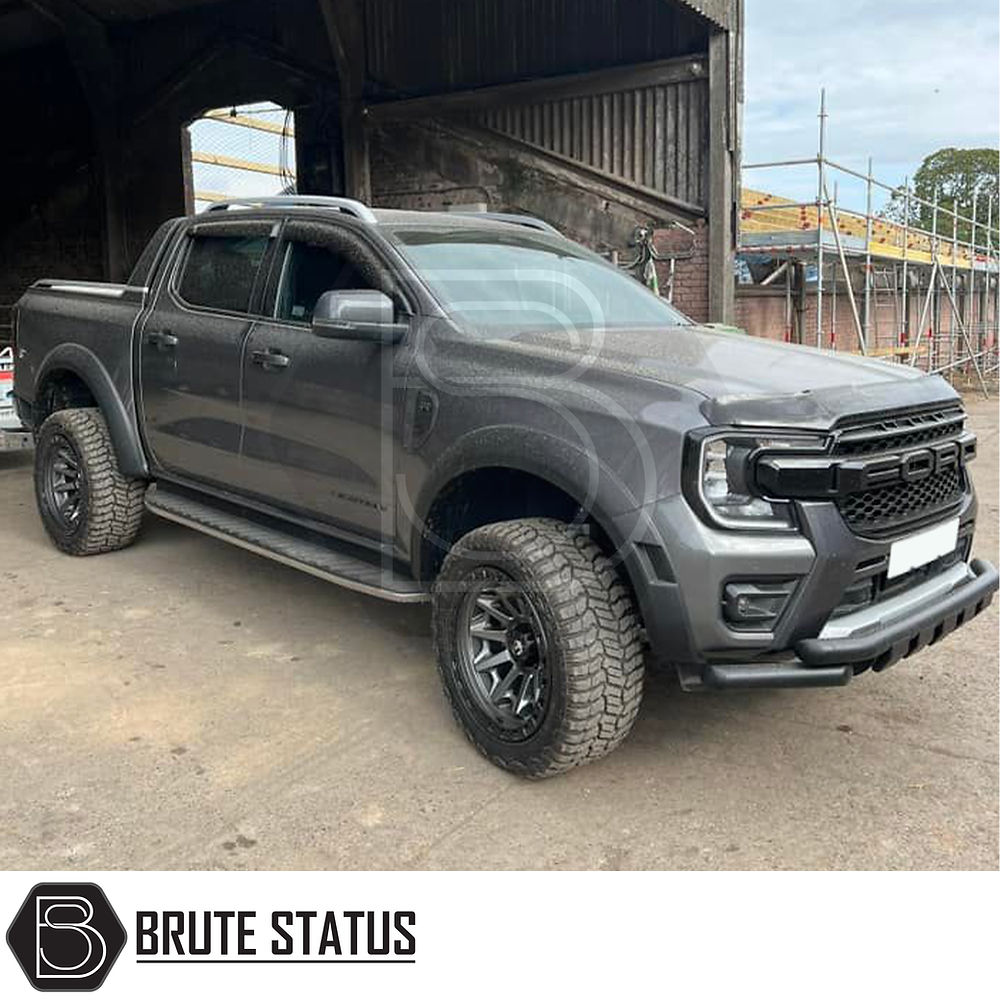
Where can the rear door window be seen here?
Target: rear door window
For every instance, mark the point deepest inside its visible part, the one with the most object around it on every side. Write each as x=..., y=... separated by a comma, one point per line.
x=220, y=271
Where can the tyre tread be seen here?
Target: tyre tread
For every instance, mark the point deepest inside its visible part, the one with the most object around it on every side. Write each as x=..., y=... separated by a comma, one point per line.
x=115, y=502
x=599, y=631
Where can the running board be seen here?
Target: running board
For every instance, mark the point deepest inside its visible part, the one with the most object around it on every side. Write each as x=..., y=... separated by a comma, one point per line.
x=322, y=560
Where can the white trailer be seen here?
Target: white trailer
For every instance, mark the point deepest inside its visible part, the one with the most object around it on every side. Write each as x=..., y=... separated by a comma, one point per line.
x=12, y=436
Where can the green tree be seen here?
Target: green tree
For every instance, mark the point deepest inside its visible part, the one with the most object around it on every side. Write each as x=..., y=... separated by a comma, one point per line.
x=958, y=176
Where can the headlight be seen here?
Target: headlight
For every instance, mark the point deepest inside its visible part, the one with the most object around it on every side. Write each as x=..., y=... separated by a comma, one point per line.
x=723, y=479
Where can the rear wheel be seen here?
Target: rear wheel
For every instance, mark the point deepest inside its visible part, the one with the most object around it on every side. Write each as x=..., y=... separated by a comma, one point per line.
x=538, y=645
x=86, y=504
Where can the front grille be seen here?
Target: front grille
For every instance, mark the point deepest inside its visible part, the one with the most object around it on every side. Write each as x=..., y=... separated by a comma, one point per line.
x=900, y=432
x=885, y=510
x=890, y=507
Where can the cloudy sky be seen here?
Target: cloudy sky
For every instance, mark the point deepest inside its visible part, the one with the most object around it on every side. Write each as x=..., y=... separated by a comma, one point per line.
x=226, y=139
x=903, y=78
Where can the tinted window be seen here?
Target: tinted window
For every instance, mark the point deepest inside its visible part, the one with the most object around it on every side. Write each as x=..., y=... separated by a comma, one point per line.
x=144, y=265
x=310, y=271
x=220, y=271
x=498, y=283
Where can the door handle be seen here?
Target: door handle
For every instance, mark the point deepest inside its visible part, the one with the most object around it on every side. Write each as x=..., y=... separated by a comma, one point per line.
x=269, y=359
x=161, y=339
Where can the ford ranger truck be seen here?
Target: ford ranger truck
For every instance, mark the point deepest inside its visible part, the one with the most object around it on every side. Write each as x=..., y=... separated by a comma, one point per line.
x=473, y=411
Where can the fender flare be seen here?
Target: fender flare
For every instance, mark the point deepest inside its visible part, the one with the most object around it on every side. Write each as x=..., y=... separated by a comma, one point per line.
x=83, y=363
x=552, y=459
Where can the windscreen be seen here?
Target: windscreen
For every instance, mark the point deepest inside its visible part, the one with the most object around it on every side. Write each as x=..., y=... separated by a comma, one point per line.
x=498, y=283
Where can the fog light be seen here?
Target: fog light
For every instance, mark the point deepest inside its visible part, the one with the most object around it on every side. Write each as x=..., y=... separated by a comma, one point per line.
x=756, y=605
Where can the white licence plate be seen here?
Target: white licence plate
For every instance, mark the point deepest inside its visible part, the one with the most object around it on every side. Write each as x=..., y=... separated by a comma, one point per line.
x=922, y=548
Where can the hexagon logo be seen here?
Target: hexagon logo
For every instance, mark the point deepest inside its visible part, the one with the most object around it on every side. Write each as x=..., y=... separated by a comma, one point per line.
x=66, y=936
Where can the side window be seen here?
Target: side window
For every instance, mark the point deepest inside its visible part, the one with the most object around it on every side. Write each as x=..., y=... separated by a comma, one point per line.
x=147, y=259
x=309, y=271
x=219, y=271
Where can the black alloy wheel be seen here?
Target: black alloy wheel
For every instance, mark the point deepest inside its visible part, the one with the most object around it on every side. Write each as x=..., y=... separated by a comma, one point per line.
x=503, y=657
x=538, y=645
x=87, y=506
x=63, y=482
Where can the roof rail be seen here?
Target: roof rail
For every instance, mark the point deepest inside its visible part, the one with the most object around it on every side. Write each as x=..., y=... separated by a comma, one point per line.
x=346, y=205
x=528, y=221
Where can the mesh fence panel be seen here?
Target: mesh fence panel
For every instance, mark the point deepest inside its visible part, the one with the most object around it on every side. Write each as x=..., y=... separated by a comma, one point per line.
x=242, y=151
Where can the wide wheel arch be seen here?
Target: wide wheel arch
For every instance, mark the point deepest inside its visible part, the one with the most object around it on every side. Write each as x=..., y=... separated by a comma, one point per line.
x=73, y=376
x=499, y=474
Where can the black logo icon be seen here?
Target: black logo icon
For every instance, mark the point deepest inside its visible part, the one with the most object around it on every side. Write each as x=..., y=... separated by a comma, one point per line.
x=66, y=936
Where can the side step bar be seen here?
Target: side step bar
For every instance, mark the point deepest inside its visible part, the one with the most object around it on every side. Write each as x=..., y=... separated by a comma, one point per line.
x=322, y=560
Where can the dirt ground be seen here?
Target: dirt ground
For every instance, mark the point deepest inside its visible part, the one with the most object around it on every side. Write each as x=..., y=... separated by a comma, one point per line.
x=185, y=704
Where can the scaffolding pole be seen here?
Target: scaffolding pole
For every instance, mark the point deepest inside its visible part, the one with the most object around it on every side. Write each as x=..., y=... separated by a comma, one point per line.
x=820, y=184
x=835, y=223
x=868, y=258
x=794, y=234
x=954, y=281
x=905, y=332
x=973, y=356
x=915, y=349
x=930, y=294
x=932, y=284
x=971, y=294
x=996, y=307
x=984, y=311
x=788, y=301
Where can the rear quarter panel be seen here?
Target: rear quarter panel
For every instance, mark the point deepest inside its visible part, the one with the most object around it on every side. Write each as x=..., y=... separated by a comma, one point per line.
x=53, y=318
x=87, y=329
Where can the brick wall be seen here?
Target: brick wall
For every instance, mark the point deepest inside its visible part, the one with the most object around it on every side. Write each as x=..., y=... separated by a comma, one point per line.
x=762, y=313
x=433, y=165
x=690, y=268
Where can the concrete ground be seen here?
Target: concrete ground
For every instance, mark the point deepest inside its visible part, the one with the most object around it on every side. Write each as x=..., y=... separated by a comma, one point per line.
x=185, y=704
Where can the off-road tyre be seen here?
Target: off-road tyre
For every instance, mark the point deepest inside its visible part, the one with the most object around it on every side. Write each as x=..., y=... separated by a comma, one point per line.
x=592, y=636
x=110, y=506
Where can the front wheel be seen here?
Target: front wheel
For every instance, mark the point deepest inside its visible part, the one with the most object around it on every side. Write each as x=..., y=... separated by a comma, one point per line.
x=86, y=504
x=538, y=646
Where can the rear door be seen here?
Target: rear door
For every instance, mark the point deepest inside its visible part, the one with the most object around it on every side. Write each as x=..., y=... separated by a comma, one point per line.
x=322, y=415
x=191, y=348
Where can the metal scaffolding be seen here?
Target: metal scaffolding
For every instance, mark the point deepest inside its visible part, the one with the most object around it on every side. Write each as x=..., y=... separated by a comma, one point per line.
x=924, y=297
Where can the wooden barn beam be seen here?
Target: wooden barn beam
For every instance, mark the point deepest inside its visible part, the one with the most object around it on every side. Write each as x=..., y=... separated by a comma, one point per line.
x=345, y=29
x=249, y=121
x=90, y=51
x=721, y=181
x=235, y=163
x=605, y=81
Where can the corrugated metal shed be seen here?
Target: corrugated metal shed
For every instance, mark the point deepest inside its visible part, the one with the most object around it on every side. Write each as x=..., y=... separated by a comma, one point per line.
x=429, y=48
x=137, y=10
x=654, y=138
x=531, y=100
x=720, y=12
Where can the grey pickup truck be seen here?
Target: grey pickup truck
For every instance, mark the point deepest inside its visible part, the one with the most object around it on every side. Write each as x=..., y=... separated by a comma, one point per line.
x=472, y=410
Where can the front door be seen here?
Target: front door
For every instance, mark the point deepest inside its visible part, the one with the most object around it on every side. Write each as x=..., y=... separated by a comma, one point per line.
x=320, y=415
x=191, y=349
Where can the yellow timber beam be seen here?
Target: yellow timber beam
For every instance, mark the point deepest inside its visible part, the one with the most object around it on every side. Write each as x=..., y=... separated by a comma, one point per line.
x=248, y=121
x=211, y=196
x=219, y=160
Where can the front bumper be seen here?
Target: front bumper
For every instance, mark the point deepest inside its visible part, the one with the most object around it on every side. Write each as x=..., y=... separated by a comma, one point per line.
x=877, y=639
x=814, y=643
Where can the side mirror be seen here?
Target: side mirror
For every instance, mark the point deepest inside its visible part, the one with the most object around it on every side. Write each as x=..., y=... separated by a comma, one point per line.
x=360, y=314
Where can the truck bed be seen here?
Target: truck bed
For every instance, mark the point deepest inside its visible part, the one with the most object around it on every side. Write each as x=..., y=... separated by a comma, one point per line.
x=83, y=327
